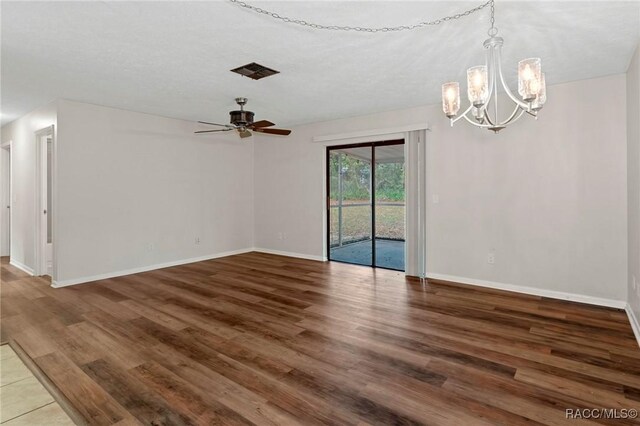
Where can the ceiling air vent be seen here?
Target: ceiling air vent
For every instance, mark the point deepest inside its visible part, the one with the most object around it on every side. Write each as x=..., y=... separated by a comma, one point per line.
x=254, y=71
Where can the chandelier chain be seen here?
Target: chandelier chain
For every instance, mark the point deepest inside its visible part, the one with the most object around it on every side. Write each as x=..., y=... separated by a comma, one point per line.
x=366, y=29
x=493, y=30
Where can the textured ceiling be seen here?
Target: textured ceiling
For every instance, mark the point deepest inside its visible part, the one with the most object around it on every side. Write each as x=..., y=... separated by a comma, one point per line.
x=173, y=58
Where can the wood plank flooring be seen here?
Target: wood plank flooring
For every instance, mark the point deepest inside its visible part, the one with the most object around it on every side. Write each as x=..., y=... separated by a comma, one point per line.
x=263, y=339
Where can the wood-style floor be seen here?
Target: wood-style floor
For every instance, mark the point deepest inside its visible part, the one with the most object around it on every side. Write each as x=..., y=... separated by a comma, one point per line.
x=263, y=339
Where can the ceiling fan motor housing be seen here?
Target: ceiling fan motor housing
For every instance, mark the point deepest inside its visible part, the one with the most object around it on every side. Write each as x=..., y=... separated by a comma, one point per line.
x=241, y=118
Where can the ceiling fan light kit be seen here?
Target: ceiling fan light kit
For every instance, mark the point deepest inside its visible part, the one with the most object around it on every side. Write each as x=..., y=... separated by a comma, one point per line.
x=241, y=117
x=242, y=122
x=483, y=81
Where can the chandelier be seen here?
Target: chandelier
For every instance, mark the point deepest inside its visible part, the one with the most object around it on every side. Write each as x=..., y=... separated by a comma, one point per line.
x=483, y=82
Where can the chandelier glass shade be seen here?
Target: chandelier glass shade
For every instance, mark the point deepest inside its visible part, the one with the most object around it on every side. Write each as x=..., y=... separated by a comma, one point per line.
x=484, y=83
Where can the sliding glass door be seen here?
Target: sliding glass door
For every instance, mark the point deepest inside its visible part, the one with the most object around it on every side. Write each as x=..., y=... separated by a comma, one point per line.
x=365, y=204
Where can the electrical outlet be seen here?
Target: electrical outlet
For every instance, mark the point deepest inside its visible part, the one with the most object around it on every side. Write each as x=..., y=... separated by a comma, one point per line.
x=151, y=247
x=435, y=198
x=197, y=241
x=491, y=258
x=634, y=284
x=281, y=235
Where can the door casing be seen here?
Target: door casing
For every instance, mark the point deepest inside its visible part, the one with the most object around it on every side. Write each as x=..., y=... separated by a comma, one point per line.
x=41, y=245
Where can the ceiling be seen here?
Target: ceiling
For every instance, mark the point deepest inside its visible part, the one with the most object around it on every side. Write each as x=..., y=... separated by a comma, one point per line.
x=173, y=58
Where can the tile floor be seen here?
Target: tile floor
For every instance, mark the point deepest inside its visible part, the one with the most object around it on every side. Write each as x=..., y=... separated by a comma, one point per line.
x=23, y=400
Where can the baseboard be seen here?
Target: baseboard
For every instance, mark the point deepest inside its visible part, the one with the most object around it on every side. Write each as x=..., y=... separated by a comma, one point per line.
x=635, y=325
x=21, y=266
x=82, y=280
x=610, y=303
x=290, y=254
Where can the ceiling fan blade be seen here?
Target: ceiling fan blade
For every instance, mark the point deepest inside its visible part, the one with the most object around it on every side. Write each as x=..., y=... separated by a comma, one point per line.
x=283, y=132
x=215, y=124
x=244, y=133
x=211, y=131
x=262, y=123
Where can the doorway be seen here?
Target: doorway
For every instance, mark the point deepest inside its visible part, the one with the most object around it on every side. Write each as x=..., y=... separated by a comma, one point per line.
x=44, y=201
x=366, y=204
x=5, y=231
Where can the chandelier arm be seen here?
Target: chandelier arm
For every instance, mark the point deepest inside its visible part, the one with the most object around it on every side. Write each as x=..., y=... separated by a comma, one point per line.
x=484, y=126
x=490, y=73
x=496, y=60
x=489, y=120
x=494, y=67
x=515, y=116
x=453, y=120
x=495, y=105
x=523, y=105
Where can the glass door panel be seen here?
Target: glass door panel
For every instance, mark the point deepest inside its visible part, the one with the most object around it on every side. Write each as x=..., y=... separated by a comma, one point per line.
x=350, y=201
x=389, y=206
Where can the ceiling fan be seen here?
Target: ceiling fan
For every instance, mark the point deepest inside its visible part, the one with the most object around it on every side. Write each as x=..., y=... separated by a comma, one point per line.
x=242, y=121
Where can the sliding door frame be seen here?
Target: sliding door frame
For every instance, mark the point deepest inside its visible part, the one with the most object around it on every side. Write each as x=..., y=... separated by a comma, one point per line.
x=373, y=146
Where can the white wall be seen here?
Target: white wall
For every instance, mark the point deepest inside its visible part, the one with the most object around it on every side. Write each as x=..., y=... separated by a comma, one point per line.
x=633, y=184
x=547, y=196
x=136, y=190
x=21, y=134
